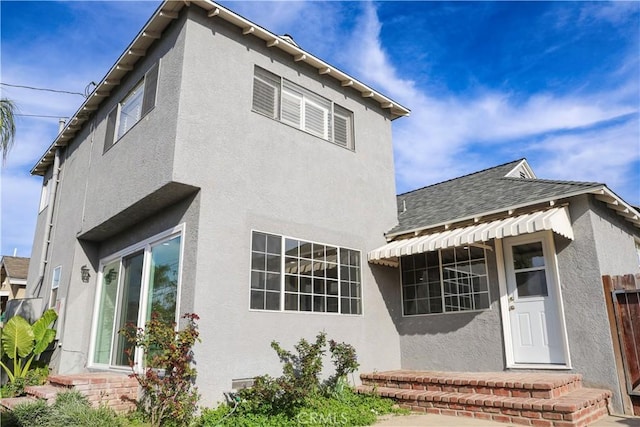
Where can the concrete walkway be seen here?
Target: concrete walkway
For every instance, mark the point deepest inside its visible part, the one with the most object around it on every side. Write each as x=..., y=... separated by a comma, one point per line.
x=446, y=421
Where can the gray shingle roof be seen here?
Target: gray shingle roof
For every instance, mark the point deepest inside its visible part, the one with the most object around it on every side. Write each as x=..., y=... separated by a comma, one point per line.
x=16, y=267
x=475, y=194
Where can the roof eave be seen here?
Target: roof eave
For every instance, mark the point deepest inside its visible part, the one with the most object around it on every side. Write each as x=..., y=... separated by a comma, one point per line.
x=152, y=30
x=601, y=189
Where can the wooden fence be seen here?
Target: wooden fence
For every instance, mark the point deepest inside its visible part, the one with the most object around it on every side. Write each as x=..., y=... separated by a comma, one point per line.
x=623, y=305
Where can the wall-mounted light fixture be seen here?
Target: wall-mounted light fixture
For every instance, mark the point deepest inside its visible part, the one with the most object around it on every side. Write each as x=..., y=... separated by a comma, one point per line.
x=84, y=271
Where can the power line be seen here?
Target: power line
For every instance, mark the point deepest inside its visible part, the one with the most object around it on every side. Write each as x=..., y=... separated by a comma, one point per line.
x=44, y=89
x=39, y=115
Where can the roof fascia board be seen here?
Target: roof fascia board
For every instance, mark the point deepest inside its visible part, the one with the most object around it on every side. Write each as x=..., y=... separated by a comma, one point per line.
x=250, y=28
x=418, y=230
x=152, y=30
x=634, y=216
x=168, y=9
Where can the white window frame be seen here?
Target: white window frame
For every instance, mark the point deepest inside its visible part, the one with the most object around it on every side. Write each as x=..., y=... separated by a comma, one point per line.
x=44, y=195
x=55, y=284
x=283, y=87
x=144, y=245
x=146, y=89
x=134, y=98
x=442, y=293
x=282, y=290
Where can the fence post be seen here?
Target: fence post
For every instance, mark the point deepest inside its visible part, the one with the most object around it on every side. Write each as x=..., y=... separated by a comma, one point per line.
x=610, y=284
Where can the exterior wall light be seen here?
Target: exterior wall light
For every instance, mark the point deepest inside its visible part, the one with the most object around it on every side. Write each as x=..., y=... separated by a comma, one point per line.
x=84, y=271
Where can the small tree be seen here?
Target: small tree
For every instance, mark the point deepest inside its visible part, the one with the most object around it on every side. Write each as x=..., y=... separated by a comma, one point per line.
x=169, y=395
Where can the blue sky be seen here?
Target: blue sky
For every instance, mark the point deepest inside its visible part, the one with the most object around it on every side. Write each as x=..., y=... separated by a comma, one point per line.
x=487, y=82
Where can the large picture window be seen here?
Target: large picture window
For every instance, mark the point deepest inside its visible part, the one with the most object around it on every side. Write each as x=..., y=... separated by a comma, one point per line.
x=133, y=284
x=448, y=280
x=296, y=275
x=294, y=105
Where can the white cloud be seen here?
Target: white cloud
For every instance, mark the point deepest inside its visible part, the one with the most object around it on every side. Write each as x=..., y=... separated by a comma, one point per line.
x=449, y=136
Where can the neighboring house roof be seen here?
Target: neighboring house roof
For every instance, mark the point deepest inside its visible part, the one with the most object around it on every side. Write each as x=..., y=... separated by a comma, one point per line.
x=167, y=12
x=16, y=268
x=490, y=192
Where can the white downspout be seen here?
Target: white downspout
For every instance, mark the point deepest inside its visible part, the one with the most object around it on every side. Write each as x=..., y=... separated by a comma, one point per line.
x=49, y=220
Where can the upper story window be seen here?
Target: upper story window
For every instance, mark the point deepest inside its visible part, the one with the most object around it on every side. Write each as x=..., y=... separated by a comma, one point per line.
x=295, y=275
x=294, y=105
x=44, y=196
x=443, y=281
x=133, y=107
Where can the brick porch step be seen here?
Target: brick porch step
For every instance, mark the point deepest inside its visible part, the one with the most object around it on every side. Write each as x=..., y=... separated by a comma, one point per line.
x=511, y=384
x=9, y=403
x=117, y=391
x=47, y=391
x=578, y=408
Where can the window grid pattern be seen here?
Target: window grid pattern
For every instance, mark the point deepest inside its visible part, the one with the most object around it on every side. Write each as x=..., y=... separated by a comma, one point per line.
x=266, y=265
x=448, y=280
x=295, y=275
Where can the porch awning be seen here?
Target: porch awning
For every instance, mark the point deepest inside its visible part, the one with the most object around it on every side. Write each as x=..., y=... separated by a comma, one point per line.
x=555, y=219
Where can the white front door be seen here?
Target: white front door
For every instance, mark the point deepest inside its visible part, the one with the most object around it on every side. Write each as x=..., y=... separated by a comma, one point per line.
x=536, y=329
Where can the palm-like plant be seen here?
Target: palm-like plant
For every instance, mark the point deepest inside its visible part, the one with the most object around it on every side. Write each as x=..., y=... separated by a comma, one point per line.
x=7, y=126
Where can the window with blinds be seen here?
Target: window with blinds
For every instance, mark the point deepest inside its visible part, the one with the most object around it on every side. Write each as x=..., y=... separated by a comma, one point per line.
x=296, y=106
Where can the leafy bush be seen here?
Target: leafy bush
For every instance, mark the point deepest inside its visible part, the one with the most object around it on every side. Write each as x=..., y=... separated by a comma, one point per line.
x=347, y=409
x=35, y=376
x=169, y=396
x=22, y=342
x=298, y=397
x=70, y=409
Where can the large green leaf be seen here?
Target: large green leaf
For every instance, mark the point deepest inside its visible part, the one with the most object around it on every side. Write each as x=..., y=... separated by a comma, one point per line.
x=17, y=337
x=41, y=332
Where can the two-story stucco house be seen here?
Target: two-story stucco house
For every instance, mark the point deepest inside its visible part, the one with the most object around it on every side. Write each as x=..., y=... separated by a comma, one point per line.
x=222, y=170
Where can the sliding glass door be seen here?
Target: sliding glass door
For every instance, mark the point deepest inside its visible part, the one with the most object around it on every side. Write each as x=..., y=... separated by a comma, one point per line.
x=134, y=284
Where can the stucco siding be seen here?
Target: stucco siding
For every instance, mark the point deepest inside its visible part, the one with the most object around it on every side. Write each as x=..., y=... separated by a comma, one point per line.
x=259, y=174
x=465, y=341
x=615, y=241
x=141, y=161
x=583, y=297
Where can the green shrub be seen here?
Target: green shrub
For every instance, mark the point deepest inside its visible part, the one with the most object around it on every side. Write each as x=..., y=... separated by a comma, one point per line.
x=35, y=376
x=169, y=396
x=70, y=409
x=298, y=397
x=27, y=414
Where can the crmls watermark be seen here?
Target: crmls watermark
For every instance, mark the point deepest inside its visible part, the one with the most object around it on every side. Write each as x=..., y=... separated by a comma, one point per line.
x=314, y=418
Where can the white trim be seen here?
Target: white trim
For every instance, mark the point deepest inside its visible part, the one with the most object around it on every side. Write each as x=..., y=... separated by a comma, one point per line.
x=486, y=266
x=546, y=200
x=524, y=167
x=283, y=237
x=546, y=237
x=146, y=246
x=556, y=219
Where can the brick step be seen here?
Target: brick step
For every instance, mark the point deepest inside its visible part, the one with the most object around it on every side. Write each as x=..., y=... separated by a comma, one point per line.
x=47, y=391
x=8, y=403
x=511, y=384
x=578, y=408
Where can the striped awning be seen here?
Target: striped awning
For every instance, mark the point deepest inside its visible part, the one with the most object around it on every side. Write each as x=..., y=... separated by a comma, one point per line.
x=555, y=219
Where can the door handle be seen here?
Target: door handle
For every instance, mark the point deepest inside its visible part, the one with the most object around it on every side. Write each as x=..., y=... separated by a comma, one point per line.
x=511, y=298
x=512, y=307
